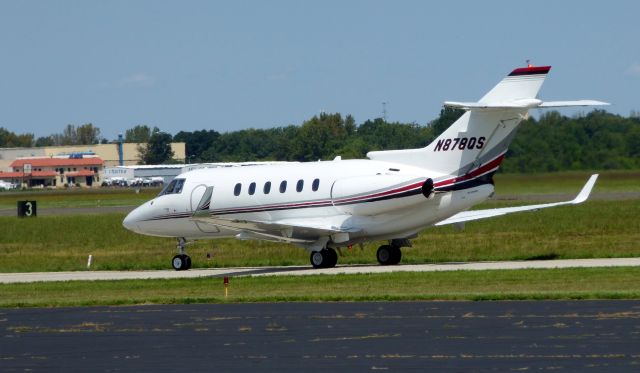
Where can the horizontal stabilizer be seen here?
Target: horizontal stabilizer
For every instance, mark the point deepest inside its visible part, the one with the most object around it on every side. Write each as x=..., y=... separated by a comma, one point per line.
x=529, y=103
x=465, y=216
x=573, y=103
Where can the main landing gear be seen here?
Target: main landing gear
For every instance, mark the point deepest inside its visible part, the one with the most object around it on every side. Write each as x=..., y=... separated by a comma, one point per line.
x=325, y=258
x=389, y=255
x=182, y=261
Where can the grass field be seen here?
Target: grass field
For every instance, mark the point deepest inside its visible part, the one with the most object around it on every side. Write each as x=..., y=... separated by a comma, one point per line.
x=593, y=229
x=566, y=182
x=582, y=283
x=57, y=243
x=77, y=197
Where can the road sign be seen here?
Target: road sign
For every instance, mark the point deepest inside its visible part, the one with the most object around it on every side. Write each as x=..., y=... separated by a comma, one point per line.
x=27, y=209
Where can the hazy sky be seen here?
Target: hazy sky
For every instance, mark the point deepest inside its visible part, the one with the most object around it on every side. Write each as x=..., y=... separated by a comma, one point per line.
x=189, y=65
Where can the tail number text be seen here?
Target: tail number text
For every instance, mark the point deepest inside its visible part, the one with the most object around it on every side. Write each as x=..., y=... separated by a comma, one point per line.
x=459, y=143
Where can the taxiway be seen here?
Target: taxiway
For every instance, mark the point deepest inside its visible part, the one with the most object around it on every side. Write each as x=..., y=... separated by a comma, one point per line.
x=7, y=278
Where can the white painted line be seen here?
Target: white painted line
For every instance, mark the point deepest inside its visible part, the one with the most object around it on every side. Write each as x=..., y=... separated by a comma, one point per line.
x=8, y=278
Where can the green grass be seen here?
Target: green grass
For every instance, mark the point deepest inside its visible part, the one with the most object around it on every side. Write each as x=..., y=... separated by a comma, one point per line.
x=579, y=283
x=566, y=182
x=590, y=230
x=77, y=197
x=598, y=228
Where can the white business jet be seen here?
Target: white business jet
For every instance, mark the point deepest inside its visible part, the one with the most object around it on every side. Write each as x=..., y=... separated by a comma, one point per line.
x=391, y=196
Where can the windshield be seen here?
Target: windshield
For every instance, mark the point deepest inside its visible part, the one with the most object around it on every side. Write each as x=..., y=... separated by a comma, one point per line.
x=174, y=187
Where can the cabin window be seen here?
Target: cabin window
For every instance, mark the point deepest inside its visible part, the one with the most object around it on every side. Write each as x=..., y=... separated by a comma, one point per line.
x=174, y=187
x=267, y=187
x=299, y=185
x=283, y=186
x=237, y=189
x=178, y=188
x=315, y=185
x=252, y=188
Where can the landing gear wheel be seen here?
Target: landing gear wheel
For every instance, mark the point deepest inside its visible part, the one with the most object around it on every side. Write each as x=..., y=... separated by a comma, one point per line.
x=388, y=255
x=396, y=255
x=332, y=257
x=325, y=258
x=181, y=262
x=317, y=259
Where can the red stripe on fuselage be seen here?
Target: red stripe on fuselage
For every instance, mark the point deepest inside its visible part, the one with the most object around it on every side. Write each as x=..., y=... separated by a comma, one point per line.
x=380, y=194
x=478, y=171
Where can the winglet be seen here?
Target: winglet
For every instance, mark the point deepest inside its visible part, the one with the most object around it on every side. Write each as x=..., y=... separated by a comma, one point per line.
x=586, y=190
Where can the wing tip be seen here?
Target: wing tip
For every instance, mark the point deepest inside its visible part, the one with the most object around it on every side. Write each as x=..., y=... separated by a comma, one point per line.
x=586, y=189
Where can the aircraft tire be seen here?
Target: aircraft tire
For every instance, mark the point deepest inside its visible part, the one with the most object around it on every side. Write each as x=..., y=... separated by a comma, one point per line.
x=396, y=255
x=325, y=258
x=332, y=258
x=181, y=262
x=385, y=255
x=317, y=259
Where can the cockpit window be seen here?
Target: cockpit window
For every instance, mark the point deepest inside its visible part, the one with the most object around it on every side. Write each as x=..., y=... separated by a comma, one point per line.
x=174, y=187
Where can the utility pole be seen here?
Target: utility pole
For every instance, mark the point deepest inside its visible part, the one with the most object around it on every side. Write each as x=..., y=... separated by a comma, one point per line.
x=384, y=111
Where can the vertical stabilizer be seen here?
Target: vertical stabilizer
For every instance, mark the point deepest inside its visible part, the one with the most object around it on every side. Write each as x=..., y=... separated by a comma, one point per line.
x=475, y=144
x=520, y=84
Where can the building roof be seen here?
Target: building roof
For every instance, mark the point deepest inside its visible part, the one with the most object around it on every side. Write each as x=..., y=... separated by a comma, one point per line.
x=58, y=162
x=36, y=174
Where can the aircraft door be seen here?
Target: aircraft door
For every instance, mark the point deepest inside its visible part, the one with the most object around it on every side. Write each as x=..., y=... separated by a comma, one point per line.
x=196, y=195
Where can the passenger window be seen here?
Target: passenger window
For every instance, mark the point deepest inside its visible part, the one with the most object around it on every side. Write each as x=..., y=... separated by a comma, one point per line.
x=252, y=188
x=315, y=185
x=237, y=189
x=299, y=185
x=283, y=186
x=267, y=187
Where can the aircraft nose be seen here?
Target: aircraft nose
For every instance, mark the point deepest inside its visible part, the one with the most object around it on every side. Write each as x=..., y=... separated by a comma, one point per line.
x=130, y=222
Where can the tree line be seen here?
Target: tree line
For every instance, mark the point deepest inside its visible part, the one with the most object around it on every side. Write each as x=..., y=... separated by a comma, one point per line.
x=596, y=141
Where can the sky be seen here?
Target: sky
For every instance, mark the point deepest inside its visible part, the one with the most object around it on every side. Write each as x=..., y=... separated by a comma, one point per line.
x=229, y=65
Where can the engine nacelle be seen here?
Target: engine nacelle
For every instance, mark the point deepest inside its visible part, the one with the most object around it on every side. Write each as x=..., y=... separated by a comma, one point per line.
x=377, y=194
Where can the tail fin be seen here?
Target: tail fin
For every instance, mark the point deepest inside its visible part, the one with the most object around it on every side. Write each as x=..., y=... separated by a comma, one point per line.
x=476, y=143
x=523, y=83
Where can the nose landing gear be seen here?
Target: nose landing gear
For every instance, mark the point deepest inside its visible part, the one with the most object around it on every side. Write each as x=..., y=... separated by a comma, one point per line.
x=182, y=261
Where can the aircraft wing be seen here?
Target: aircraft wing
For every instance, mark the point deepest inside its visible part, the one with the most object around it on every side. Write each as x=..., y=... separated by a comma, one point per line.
x=288, y=230
x=301, y=231
x=465, y=216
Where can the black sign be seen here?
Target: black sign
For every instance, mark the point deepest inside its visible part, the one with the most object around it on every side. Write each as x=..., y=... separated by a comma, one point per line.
x=27, y=209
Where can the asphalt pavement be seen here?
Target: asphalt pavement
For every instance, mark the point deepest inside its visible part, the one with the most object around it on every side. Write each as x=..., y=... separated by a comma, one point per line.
x=520, y=336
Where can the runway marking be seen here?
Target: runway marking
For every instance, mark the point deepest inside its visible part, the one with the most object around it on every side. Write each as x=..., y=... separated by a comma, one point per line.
x=8, y=278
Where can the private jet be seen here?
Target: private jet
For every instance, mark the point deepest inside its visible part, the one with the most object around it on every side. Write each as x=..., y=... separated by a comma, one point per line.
x=391, y=196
